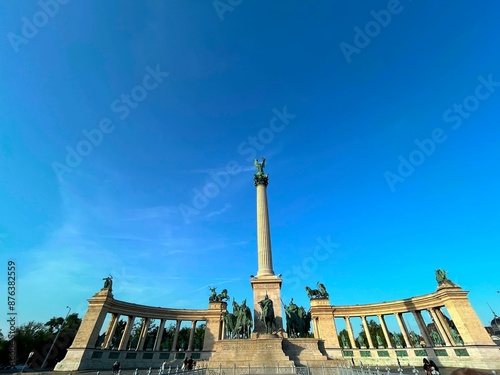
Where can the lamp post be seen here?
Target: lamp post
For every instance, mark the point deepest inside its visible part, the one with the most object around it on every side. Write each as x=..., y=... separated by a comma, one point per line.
x=55, y=338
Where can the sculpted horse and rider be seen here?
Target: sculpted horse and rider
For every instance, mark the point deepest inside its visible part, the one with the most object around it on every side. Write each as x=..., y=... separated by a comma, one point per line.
x=214, y=297
x=317, y=293
x=298, y=321
x=239, y=323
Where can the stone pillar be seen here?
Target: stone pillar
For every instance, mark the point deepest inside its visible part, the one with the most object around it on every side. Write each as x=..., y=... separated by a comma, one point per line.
x=126, y=333
x=368, y=336
x=191, y=336
x=144, y=334
x=176, y=335
x=321, y=312
x=404, y=331
x=213, y=331
x=110, y=332
x=443, y=332
x=264, y=255
x=349, y=331
x=93, y=320
x=422, y=328
x=464, y=317
x=159, y=335
x=384, y=329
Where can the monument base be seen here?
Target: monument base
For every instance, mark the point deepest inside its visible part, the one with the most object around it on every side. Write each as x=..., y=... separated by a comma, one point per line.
x=259, y=352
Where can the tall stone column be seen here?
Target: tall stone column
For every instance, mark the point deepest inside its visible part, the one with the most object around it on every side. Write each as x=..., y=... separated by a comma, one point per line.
x=126, y=333
x=367, y=331
x=144, y=333
x=265, y=283
x=386, y=332
x=110, y=332
x=349, y=331
x=264, y=255
x=422, y=327
x=176, y=334
x=159, y=335
x=404, y=331
x=191, y=336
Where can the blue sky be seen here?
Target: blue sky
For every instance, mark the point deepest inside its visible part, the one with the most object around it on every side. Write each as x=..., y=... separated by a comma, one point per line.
x=120, y=121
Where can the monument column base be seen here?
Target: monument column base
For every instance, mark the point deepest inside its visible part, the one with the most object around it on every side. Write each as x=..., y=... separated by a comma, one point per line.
x=270, y=285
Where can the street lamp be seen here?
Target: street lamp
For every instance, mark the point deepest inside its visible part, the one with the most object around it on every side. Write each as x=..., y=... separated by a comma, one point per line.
x=55, y=338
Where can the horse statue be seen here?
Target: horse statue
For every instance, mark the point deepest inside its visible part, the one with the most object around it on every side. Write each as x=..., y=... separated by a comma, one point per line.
x=229, y=323
x=223, y=296
x=322, y=290
x=213, y=296
x=244, y=324
x=313, y=293
x=267, y=316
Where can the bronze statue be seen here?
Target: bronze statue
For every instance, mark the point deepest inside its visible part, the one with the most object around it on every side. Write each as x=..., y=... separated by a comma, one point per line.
x=260, y=166
x=213, y=296
x=317, y=293
x=322, y=290
x=108, y=283
x=456, y=337
x=436, y=338
x=441, y=275
x=267, y=316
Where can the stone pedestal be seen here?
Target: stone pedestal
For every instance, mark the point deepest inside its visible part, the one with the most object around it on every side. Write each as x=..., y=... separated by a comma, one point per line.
x=270, y=285
x=249, y=352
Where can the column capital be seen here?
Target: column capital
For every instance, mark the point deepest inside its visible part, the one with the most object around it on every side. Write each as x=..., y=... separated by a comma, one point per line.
x=260, y=179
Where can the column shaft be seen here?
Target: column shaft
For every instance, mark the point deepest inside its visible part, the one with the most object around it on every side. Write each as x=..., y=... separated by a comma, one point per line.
x=110, y=331
x=176, y=335
x=349, y=331
x=159, y=335
x=386, y=332
x=368, y=336
x=144, y=334
x=265, y=261
x=404, y=331
x=442, y=330
x=422, y=327
x=191, y=336
x=126, y=333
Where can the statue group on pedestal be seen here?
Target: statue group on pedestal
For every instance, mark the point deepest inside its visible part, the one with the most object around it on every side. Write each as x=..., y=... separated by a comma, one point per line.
x=214, y=297
x=317, y=293
x=239, y=323
x=298, y=321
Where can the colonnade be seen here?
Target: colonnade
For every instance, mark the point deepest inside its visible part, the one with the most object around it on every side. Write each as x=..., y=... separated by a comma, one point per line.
x=125, y=337
x=466, y=328
x=441, y=326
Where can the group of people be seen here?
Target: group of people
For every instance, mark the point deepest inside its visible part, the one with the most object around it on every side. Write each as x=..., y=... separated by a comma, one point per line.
x=430, y=367
x=188, y=364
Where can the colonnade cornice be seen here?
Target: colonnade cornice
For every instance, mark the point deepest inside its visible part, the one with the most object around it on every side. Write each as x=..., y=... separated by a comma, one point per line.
x=144, y=311
x=423, y=302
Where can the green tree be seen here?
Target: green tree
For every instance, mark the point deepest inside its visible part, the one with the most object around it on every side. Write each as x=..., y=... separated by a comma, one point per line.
x=345, y=335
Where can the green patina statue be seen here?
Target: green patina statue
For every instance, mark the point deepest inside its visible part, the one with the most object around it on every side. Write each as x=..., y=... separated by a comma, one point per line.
x=260, y=178
x=108, y=283
x=441, y=275
x=442, y=278
x=267, y=316
x=456, y=337
x=298, y=321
